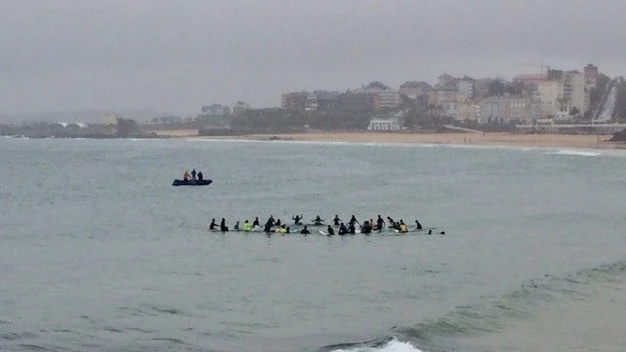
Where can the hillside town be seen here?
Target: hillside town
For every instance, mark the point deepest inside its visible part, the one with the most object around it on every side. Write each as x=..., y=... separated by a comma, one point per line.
x=554, y=101
x=563, y=101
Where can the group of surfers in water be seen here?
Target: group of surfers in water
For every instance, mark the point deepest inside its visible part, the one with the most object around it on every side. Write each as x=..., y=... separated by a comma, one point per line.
x=275, y=225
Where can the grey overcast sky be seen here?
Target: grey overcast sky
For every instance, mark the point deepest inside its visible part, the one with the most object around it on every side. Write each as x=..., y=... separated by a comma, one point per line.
x=176, y=55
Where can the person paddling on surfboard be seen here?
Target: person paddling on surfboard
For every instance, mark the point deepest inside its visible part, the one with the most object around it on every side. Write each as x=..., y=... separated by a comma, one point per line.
x=305, y=231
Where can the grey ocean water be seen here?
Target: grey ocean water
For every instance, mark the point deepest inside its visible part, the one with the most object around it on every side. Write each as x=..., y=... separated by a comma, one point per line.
x=99, y=252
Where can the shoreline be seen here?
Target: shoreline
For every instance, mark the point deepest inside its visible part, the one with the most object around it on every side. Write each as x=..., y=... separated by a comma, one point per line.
x=486, y=139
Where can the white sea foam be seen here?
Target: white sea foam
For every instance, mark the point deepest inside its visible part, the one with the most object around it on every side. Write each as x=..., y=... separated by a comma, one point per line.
x=391, y=346
x=575, y=152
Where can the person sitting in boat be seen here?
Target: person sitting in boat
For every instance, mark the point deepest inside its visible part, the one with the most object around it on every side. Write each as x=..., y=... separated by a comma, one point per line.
x=318, y=220
x=193, y=174
x=403, y=228
x=366, y=228
x=223, y=226
x=213, y=225
x=343, y=229
x=304, y=231
x=336, y=220
x=296, y=219
x=330, y=230
x=246, y=226
x=418, y=226
x=256, y=222
x=186, y=176
x=200, y=176
x=236, y=227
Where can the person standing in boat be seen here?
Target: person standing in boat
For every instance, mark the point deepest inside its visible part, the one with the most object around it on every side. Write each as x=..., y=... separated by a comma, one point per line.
x=186, y=176
x=200, y=176
x=193, y=174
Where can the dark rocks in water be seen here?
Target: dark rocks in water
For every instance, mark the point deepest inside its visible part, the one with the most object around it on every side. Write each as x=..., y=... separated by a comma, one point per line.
x=618, y=137
x=276, y=138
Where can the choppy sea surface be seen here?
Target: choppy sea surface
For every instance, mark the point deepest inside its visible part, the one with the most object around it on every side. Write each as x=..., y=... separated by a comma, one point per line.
x=99, y=252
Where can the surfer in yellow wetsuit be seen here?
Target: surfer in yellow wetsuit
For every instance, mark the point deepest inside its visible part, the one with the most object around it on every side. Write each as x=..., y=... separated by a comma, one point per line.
x=186, y=176
x=246, y=226
x=403, y=228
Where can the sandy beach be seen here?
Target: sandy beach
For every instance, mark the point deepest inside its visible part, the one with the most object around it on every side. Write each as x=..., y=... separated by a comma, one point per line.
x=493, y=138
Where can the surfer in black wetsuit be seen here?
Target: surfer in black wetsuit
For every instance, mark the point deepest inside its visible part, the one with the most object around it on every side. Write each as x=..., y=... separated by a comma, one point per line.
x=353, y=220
x=256, y=222
x=418, y=226
x=330, y=231
x=267, y=228
x=391, y=223
x=277, y=223
x=367, y=227
x=318, y=221
x=213, y=225
x=336, y=220
x=342, y=229
x=351, y=228
x=236, y=228
x=223, y=226
x=270, y=221
x=304, y=231
x=380, y=223
x=296, y=219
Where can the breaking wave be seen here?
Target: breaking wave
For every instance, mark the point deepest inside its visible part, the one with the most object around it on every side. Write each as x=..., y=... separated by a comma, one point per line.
x=491, y=314
x=575, y=152
x=379, y=345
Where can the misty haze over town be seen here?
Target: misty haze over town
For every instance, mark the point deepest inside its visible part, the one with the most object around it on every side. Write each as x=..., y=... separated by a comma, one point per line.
x=146, y=59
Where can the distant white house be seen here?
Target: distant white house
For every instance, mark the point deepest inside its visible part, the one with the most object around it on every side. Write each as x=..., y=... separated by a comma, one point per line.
x=384, y=124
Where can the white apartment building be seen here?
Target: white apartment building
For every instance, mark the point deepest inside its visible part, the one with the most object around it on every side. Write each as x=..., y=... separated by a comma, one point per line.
x=561, y=93
x=384, y=124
